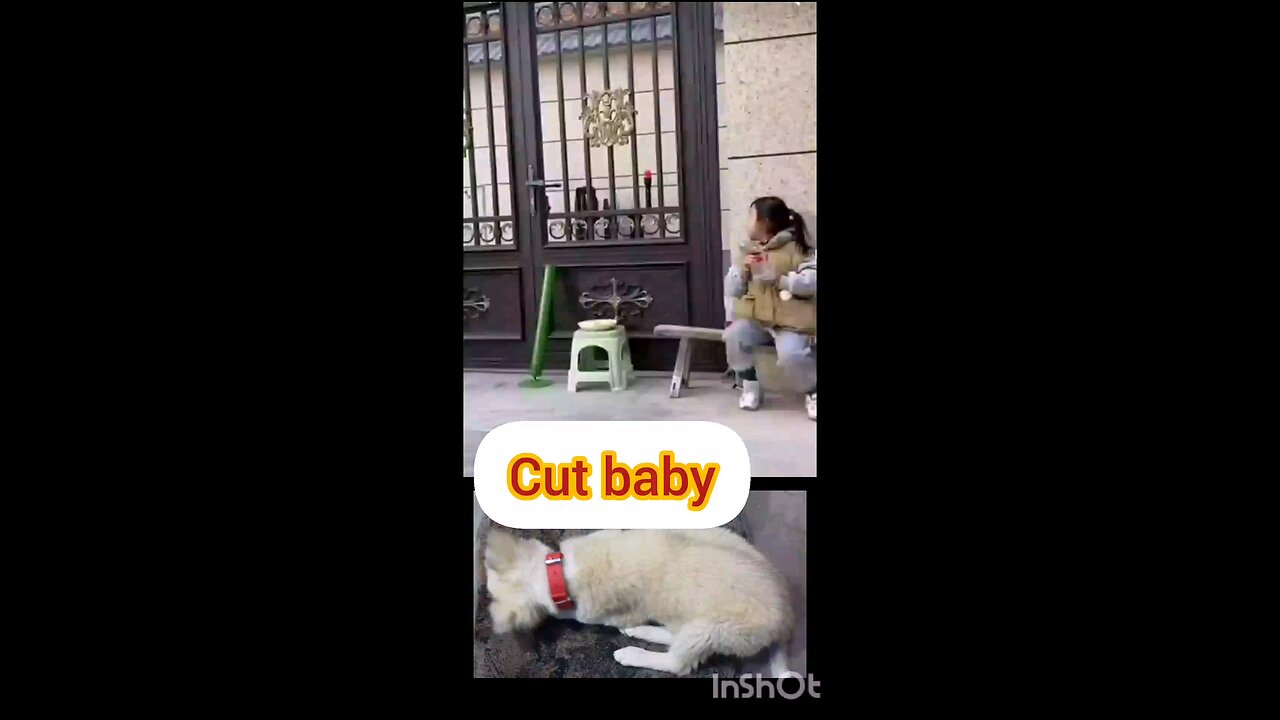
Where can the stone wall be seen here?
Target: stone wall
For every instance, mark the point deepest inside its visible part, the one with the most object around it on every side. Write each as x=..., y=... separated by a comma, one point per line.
x=769, y=114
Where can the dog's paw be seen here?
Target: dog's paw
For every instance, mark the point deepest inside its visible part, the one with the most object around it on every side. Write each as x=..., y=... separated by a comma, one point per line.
x=631, y=656
x=649, y=633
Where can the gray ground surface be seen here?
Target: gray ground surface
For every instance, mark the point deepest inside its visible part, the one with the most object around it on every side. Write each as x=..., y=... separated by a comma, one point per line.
x=781, y=439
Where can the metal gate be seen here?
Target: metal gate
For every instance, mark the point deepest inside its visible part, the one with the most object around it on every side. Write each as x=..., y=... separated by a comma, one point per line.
x=589, y=144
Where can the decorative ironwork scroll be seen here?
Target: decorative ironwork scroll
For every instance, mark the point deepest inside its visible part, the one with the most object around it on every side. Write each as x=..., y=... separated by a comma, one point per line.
x=625, y=300
x=608, y=118
x=474, y=304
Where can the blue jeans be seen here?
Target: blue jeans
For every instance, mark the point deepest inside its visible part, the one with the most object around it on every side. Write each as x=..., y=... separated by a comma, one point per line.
x=797, y=357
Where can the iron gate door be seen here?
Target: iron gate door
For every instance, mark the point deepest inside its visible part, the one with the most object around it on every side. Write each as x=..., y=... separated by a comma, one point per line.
x=598, y=156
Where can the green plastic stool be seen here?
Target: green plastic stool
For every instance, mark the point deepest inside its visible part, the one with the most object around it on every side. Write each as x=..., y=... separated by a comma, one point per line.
x=614, y=344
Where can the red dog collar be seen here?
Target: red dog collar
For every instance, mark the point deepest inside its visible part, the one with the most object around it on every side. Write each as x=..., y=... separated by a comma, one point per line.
x=555, y=578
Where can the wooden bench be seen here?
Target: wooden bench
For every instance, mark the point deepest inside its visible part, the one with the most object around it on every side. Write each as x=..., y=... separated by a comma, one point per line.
x=684, y=355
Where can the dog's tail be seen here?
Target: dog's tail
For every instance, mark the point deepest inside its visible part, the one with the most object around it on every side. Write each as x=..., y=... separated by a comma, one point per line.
x=778, y=660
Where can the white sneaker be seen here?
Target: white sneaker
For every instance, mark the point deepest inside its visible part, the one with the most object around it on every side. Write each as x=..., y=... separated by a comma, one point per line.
x=811, y=405
x=750, y=399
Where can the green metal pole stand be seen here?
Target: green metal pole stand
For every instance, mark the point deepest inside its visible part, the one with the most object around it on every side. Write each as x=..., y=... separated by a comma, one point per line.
x=535, y=379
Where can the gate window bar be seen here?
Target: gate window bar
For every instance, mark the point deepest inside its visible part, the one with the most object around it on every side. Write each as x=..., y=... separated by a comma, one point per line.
x=586, y=146
x=657, y=114
x=635, y=157
x=564, y=138
x=471, y=143
x=613, y=193
x=493, y=150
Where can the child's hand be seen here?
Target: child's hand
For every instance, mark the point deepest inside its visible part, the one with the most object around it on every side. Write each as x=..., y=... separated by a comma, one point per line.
x=784, y=287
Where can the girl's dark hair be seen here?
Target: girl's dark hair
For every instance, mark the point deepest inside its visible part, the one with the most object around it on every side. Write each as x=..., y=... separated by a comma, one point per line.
x=778, y=217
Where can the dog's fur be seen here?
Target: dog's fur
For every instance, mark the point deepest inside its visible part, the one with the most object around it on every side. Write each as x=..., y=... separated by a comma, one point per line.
x=708, y=591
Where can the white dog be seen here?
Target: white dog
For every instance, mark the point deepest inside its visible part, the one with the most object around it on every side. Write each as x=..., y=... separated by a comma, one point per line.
x=708, y=591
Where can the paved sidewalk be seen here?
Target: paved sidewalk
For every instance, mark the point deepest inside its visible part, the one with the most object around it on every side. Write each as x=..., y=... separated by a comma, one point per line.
x=781, y=439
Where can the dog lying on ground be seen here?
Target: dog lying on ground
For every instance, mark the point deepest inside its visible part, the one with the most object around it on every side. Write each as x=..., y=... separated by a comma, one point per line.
x=708, y=591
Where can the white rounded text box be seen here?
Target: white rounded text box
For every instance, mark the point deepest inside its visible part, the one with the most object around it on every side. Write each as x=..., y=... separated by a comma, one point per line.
x=660, y=475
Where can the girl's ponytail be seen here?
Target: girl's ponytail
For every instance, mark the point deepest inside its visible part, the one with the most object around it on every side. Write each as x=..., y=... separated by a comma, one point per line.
x=800, y=232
